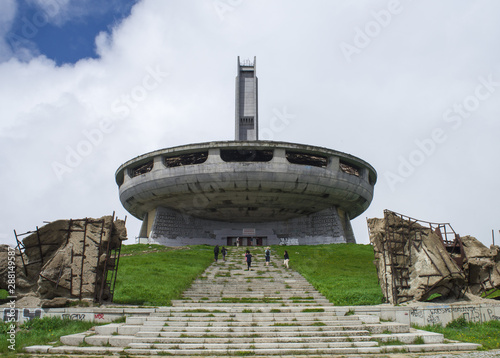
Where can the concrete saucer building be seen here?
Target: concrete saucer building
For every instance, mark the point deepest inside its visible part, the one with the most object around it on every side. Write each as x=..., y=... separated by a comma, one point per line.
x=262, y=192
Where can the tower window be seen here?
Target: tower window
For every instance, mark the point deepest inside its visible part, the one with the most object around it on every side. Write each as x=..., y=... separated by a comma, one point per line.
x=246, y=120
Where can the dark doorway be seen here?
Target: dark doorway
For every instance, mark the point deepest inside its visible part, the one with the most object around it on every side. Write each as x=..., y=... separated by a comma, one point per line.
x=245, y=241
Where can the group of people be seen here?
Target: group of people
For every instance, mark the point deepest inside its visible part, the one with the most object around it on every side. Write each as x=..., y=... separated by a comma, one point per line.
x=248, y=256
x=267, y=254
x=223, y=251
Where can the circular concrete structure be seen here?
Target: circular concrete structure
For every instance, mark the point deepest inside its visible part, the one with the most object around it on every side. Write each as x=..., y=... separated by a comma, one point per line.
x=246, y=191
x=246, y=181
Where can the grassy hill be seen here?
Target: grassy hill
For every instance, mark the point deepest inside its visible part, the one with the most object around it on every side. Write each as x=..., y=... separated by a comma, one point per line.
x=152, y=275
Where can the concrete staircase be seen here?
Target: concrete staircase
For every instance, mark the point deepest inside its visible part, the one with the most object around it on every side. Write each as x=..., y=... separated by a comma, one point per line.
x=268, y=310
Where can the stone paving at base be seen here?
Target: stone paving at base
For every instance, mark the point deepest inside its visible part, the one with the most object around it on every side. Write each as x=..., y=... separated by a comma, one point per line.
x=268, y=310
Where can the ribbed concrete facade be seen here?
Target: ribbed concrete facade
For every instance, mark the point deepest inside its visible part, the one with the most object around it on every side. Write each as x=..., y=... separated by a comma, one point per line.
x=262, y=192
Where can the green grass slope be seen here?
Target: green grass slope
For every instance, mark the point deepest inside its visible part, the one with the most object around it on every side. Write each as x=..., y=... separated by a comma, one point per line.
x=155, y=275
x=343, y=273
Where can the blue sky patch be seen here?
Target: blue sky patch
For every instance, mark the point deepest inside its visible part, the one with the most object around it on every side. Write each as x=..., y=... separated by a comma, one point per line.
x=65, y=34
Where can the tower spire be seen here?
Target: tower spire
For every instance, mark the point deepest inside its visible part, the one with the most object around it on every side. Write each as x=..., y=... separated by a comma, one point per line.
x=246, y=127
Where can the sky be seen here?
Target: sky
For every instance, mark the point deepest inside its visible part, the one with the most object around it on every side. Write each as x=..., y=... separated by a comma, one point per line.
x=411, y=87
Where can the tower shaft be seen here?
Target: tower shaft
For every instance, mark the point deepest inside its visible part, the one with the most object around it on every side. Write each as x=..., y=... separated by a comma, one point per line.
x=246, y=101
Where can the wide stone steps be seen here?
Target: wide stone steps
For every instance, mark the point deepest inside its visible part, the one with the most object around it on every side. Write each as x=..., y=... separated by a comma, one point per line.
x=253, y=346
x=265, y=311
x=119, y=340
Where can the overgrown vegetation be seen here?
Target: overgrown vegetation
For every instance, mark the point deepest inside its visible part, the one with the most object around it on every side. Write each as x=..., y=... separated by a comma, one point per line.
x=343, y=273
x=486, y=333
x=153, y=275
x=493, y=293
x=39, y=331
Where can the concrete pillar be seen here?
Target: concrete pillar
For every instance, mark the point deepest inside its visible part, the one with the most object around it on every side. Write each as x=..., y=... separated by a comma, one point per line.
x=158, y=163
x=126, y=175
x=279, y=156
x=364, y=174
x=214, y=156
x=143, y=232
x=346, y=226
x=150, y=221
x=333, y=164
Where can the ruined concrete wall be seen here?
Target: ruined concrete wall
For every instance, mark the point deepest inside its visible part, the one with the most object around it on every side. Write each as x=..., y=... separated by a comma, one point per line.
x=482, y=267
x=66, y=258
x=412, y=263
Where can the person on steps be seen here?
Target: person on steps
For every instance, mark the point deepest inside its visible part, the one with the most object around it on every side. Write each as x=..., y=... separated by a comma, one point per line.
x=268, y=255
x=216, y=253
x=286, y=259
x=248, y=258
x=224, y=252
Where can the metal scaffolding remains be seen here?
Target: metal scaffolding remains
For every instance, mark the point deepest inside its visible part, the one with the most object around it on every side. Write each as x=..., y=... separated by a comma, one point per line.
x=417, y=259
x=86, y=247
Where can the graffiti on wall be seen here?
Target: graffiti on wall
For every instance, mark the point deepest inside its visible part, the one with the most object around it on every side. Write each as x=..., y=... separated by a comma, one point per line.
x=442, y=314
x=74, y=316
x=27, y=314
x=285, y=241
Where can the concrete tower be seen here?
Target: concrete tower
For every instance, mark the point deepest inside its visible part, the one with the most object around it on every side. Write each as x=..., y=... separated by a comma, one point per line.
x=246, y=125
x=263, y=192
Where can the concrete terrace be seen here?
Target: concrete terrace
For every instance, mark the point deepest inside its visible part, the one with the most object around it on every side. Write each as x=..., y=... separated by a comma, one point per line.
x=264, y=311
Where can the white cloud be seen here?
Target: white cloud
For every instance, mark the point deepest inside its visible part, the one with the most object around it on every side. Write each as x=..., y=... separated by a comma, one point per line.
x=393, y=93
x=7, y=15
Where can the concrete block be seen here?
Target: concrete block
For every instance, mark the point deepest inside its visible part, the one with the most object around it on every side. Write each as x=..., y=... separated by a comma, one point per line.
x=387, y=326
x=135, y=320
x=129, y=330
x=121, y=341
x=108, y=329
x=73, y=339
x=368, y=318
x=97, y=340
x=409, y=338
x=37, y=349
x=140, y=311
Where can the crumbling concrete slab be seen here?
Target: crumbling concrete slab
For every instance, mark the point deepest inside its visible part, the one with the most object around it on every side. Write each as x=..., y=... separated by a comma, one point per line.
x=412, y=262
x=67, y=260
x=482, y=267
x=416, y=260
